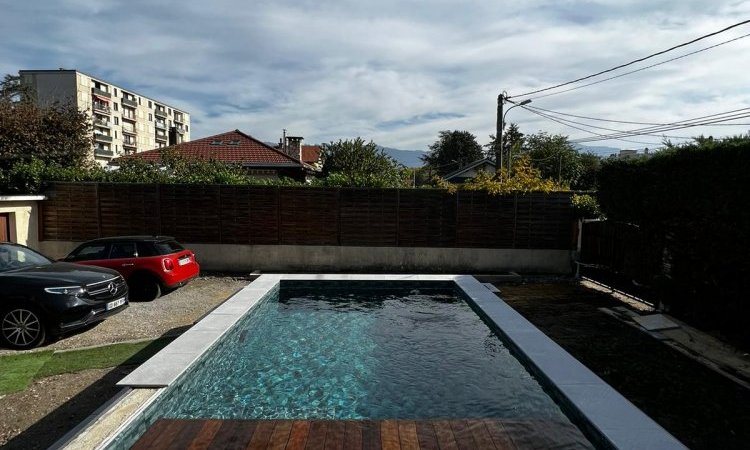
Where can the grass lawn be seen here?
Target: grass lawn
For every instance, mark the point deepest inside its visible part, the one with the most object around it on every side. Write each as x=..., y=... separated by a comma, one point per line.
x=18, y=371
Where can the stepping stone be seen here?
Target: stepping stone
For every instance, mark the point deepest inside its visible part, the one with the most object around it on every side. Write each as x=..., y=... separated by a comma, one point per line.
x=655, y=322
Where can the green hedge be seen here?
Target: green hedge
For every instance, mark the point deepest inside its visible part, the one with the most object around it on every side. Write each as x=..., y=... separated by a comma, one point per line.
x=694, y=203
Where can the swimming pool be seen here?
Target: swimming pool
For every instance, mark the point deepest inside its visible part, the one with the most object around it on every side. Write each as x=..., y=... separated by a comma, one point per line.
x=405, y=347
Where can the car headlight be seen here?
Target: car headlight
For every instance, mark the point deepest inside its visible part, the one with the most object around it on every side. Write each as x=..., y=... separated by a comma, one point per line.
x=66, y=290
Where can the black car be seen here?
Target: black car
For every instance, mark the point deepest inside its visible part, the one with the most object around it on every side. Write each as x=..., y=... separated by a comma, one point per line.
x=40, y=297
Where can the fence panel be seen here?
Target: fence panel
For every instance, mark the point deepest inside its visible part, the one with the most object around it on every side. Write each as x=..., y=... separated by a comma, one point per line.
x=426, y=218
x=369, y=217
x=308, y=216
x=191, y=213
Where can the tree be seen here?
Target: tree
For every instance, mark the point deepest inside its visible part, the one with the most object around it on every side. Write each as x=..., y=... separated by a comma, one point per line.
x=554, y=156
x=57, y=134
x=453, y=150
x=356, y=163
x=512, y=142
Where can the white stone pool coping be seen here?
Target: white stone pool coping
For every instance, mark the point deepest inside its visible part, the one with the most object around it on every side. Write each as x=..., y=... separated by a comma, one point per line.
x=610, y=414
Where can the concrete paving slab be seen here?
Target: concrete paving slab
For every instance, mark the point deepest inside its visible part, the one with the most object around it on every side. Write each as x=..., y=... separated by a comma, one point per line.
x=655, y=322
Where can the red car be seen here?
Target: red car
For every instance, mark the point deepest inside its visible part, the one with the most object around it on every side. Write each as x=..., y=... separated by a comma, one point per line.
x=150, y=264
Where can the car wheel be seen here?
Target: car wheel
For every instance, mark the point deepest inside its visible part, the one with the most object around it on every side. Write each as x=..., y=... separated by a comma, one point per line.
x=144, y=288
x=21, y=327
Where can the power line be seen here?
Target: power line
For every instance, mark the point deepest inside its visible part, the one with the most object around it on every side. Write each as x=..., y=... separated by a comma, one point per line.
x=634, y=61
x=607, y=129
x=584, y=130
x=641, y=69
x=628, y=121
x=652, y=130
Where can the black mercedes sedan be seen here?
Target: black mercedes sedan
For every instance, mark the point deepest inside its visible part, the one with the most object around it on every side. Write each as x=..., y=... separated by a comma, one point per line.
x=40, y=297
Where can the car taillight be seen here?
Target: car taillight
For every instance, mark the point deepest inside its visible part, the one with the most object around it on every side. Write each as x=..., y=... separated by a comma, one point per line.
x=167, y=264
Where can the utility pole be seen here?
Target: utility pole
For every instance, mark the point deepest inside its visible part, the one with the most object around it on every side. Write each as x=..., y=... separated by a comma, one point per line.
x=499, y=134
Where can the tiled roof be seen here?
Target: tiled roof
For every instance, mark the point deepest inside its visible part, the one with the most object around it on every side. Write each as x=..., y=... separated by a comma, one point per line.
x=310, y=154
x=231, y=147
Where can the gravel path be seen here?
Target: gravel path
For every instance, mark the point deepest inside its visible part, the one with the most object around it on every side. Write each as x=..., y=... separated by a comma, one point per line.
x=171, y=313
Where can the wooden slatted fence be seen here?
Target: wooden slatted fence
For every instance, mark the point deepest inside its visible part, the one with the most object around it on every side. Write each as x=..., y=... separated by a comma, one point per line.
x=224, y=214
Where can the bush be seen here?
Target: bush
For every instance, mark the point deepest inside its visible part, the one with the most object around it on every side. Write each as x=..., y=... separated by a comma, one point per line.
x=585, y=206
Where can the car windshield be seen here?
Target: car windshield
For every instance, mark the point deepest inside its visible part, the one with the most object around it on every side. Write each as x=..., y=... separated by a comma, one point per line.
x=17, y=257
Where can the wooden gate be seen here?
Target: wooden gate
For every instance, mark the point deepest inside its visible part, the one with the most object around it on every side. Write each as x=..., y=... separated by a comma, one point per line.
x=4, y=226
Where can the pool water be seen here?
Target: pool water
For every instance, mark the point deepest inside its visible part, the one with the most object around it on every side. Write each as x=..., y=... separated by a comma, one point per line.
x=362, y=350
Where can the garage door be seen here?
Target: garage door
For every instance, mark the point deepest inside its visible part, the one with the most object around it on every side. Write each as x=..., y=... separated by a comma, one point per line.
x=4, y=226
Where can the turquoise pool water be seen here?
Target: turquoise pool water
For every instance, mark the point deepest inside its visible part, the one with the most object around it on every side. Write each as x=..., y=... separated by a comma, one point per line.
x=357, y=350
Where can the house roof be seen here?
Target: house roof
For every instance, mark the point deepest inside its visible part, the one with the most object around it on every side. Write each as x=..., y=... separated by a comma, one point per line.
x=470, y=166
x=310, y=154
x=233, y=147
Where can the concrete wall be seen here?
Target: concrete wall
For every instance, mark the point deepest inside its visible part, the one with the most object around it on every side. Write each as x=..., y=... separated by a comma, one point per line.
x=24, y=217
x=305, y=258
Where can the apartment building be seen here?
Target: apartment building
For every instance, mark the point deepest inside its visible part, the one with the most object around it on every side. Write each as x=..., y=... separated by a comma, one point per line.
x=123, y=121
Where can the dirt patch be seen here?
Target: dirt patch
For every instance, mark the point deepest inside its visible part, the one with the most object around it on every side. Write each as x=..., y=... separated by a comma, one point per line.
x=699, y=407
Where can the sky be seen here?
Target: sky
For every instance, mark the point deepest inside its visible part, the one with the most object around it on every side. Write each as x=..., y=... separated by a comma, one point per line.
x=396, y=71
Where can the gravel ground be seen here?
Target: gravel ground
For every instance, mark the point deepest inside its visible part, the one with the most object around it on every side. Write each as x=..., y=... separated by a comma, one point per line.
x=40, y=415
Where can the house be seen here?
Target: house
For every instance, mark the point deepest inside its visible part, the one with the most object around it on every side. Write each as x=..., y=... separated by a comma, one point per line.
x=235, y=147
x=310, y=155
x=471, y=170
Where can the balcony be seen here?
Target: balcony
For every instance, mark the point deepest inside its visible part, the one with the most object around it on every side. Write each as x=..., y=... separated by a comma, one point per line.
x=161, y=138
x=160, y=125
x=128, y=114
x=129, y=131
x=101, y=108
x=128, y=102
x=102, y=137
x=102, y=123
x=178, y=118
x=129, y=143
x=160, y=113
x=104, y=153
x=100, y=92
x=180, y=129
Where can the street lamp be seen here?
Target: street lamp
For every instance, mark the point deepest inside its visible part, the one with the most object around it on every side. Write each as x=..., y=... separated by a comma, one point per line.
x=501, y=99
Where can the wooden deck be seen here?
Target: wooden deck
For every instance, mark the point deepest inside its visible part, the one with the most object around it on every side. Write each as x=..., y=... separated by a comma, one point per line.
x=452, y=434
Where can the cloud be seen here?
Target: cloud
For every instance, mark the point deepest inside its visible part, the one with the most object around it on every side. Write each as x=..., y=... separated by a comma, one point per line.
x=394, y=71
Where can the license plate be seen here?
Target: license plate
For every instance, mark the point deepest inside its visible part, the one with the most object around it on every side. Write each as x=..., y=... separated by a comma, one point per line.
x=183, y=261
x=114, y=304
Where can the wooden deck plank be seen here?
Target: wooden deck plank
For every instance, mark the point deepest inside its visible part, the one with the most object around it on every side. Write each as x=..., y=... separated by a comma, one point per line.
x=426, y=436
x=455, y=434
x=191, y=428
x=262, y=435
x=499, y=435
x=298, y=435
x=205, y=435
x=316, y=438
x=151, y=434
x=170, y=433
x=371, y=436
x=389, y=435
x=444, y=434
x=335, y=435
x=234, y=434
x=353, y=435
x=480, y=434
x=407, y=433
x=462, y=434
x=280, y=435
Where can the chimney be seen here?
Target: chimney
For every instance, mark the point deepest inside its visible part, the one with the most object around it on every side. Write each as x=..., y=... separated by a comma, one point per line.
x=294, y=147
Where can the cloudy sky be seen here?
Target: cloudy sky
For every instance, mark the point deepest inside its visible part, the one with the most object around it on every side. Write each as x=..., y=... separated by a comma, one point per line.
x=396, y=71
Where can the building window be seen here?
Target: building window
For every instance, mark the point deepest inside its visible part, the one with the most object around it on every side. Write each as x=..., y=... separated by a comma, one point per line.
x=115, y=92
x=149, y=103
x=170, y=111
x=117, y=121
x=186, y=128
x=150, y=117
x=115, y=134
x=115, y=106
x=139, y=101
